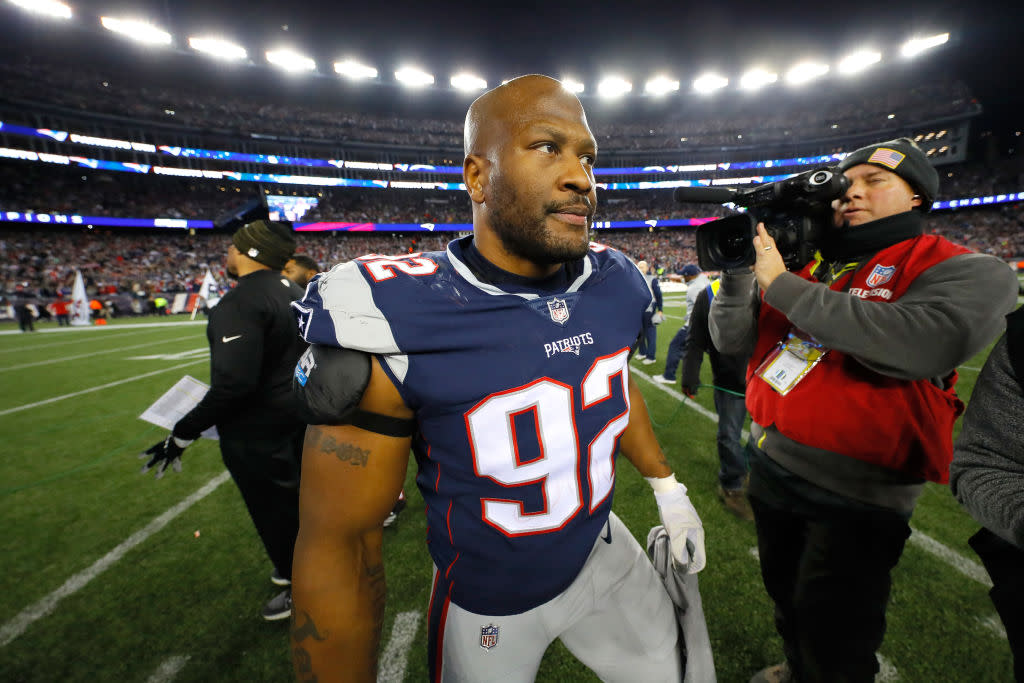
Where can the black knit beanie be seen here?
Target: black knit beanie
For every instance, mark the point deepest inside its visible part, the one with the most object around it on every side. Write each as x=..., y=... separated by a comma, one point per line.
x=272, y=244
x=903, y=157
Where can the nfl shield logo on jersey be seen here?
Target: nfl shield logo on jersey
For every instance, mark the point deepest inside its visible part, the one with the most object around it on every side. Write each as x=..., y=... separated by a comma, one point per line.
x=488, y=636
x=880, y=275
x=559, y=311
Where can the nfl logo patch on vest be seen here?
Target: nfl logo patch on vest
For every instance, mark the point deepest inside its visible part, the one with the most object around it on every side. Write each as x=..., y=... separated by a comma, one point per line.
x=559, y=311
x=880, y=275
x=488, y=636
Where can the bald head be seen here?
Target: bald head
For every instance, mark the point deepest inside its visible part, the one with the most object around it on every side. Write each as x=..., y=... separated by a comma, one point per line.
x=500, y=112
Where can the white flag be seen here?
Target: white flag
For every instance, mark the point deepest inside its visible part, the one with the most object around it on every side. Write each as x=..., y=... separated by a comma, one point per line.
x=79, y=301
x=208, y=282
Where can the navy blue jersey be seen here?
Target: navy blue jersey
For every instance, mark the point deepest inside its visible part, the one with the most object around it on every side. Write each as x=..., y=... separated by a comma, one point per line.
x=520, y=398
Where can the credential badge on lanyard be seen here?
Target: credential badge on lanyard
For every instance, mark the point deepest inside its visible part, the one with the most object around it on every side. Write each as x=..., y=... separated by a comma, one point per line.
x=790, y=361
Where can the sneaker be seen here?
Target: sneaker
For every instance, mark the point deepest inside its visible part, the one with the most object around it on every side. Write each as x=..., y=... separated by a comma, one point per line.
x=393, y=515
x=736, y=502
x=279, y=607
x=649, y=361
x=279, y=580
x=780, y=673
x=662, y=379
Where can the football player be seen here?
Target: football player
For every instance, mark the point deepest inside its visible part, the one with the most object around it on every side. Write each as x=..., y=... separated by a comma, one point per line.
x=503, y=362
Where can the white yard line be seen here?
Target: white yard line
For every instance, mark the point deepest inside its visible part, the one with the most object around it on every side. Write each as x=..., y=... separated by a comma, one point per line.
x=34, y=347
x=95, y=353
x=28, y=406
x=103, y=328
x=169, y=669
x=968, y=568
x=886, y=670
x=993, y=624
x=16, y=626
x=396, y=654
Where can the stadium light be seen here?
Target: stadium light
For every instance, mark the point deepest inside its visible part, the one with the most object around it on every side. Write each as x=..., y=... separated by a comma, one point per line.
x=709, y=82
x=354, y=70
x=466, y=81
x=613, y=86
x=661, y=85
x=137, y=30
x=859, y=61
x=756, y=78
x=915, y=46
x=50, y=8
x=805, y=71
x=218, y=47
x=290, y=61
x=413, y=77
x=572, y=85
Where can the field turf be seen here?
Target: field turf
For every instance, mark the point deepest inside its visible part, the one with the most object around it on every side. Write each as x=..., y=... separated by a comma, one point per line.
x=109, y=575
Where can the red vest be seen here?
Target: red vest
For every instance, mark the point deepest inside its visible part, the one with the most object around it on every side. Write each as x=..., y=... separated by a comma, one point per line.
x=844, y=407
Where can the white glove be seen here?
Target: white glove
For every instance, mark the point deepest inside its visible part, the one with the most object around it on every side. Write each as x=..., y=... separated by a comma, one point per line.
x=685, y=530
x=657, y=318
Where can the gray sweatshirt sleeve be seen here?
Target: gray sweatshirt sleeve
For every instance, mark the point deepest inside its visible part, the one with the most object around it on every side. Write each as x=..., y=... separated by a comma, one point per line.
x=733, y=317
x=987, y=474
x=948, y=314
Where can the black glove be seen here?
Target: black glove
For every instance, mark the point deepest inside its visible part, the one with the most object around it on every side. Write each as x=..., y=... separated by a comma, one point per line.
x=690, y=390
x=164, y=453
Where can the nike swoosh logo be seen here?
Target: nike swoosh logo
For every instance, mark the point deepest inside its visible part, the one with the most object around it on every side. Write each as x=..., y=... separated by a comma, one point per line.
x=230, y=339
x=607, y=538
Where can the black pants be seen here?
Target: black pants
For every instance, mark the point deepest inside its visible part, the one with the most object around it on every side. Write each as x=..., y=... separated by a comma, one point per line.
x=266, y=471
x=826, y=563
x=1005, y=564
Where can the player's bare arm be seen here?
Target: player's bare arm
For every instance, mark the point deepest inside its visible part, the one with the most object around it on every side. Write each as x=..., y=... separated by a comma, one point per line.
x=350, y=481
x=638, y=443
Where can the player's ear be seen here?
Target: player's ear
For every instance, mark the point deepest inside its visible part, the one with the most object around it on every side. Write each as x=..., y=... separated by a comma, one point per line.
x=475, y=175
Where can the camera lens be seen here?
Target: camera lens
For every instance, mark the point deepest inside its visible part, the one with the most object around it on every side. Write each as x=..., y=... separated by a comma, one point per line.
x=733, y=243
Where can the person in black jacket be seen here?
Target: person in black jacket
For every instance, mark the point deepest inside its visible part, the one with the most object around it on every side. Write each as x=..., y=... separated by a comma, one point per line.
x=729, y=377
x=987, y=477
x=254, y=346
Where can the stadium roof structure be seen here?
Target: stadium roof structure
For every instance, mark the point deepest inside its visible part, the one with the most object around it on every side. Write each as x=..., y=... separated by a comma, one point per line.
x=585, y=41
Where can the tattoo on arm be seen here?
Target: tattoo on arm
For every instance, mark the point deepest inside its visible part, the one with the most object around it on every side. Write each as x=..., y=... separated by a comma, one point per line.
x=345, y=452
x=328, y=444
x=300, y=657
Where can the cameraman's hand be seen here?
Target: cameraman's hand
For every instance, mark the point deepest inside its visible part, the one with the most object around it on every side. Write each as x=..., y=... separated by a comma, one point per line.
x=164, y=453
x=769, y=264
x=690, y=390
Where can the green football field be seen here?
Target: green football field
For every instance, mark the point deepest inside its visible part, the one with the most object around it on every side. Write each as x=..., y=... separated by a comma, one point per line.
x=109, y=575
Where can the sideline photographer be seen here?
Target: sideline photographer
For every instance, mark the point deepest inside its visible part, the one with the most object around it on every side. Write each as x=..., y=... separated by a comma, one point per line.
x=850, y=387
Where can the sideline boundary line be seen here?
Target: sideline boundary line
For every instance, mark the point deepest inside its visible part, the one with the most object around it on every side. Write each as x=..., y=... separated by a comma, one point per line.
x=94, y=353
x=396, y=654
x=169, y=669
x=104, y=328
x=16, y=626
x=27, y=406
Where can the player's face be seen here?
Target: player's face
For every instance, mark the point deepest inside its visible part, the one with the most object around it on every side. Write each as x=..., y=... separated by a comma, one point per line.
x=873, y=193
x=231, y=263
x=297, y=274
x=542, y=194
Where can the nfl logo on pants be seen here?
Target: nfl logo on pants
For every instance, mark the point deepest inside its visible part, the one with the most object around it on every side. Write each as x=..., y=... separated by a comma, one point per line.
x=488, y=636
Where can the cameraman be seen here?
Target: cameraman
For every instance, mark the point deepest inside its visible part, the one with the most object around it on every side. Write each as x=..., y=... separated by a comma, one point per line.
x=850, y=389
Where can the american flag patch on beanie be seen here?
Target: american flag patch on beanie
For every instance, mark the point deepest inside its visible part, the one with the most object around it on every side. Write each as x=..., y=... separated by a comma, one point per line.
x=886, y=157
